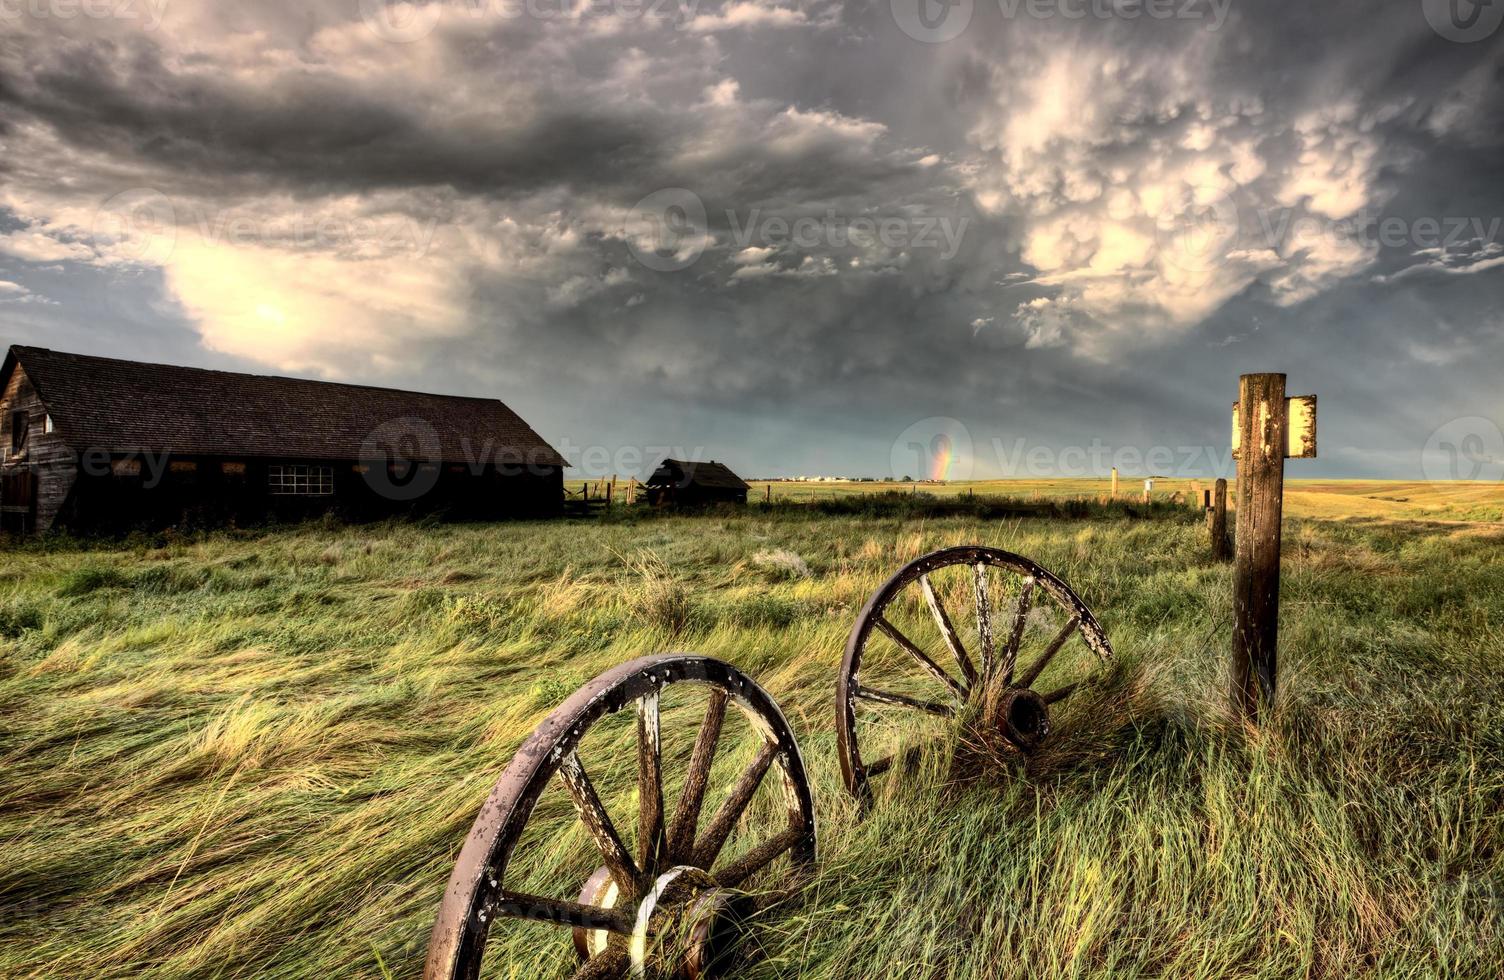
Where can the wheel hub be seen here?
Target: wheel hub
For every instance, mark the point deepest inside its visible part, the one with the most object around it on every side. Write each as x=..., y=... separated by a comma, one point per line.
x=1020, y=716
x=688, y=928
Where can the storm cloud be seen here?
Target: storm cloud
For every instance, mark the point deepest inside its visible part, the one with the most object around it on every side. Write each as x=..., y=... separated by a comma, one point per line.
x=795, y=236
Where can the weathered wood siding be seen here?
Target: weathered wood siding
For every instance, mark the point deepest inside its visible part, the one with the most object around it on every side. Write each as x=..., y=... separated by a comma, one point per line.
x=44, y=453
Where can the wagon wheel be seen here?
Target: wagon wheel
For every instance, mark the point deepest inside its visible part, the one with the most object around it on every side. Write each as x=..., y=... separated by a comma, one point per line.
x=892, y=678
x=674, y=904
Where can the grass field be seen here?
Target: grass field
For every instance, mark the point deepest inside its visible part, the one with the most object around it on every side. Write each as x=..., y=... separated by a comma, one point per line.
x=256, y=754
x=1375, y=499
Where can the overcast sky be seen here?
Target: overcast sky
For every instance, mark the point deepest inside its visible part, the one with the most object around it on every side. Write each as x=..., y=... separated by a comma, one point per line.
x=799, y=237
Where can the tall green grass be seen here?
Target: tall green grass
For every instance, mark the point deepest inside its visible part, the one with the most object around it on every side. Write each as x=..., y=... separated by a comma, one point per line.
x=256, y=755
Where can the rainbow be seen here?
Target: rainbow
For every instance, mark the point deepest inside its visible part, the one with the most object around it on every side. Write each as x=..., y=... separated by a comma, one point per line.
x=942, y=456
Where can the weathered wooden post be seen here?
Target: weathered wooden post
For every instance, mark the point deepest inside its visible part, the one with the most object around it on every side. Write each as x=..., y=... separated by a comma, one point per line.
x=1266, y=427
x=1216, y=522
x=1114, y=483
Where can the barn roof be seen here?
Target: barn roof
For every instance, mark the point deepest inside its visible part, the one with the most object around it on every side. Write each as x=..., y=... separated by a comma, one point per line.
x=125, y=406
x=684, y=473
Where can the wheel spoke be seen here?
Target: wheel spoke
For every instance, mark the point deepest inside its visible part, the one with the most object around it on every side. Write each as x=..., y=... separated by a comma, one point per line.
x=598, y=822
x=877, y=696
x=608, y=965
x=1016, y=636
x=892, y=632
x=731, y=810
x=650, y=834
x=904, y=758
x=681, y=835
x=1061, y=693
x=947, y=630
x=759, y=857
x=984, y=619
x=535, y=908
x=1029, y=676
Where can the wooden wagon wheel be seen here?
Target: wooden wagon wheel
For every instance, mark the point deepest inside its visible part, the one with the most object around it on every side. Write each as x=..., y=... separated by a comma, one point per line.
x=671, y=905
x=906, y=677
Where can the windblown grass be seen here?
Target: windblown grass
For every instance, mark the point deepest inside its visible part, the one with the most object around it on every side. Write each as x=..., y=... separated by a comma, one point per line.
x=256, y=755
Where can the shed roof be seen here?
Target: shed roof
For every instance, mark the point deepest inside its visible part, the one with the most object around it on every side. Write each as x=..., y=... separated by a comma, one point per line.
x=683, y=473
x=121, y=406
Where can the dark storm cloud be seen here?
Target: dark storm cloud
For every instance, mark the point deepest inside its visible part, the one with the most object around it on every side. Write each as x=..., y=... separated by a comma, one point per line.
x=1057, y=313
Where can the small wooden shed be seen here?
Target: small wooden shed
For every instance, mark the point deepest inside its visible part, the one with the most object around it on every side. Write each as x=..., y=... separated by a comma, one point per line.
x=686, y=483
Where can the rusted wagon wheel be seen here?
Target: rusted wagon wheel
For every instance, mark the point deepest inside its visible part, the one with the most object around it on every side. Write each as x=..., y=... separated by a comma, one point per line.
x=893, y=690
x=674, y=905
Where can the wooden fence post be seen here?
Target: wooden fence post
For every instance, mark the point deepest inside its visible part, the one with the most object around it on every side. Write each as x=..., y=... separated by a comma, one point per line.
x=1261, y=464
x=1267, y=427
x=1114, y=483
x=1216, y=522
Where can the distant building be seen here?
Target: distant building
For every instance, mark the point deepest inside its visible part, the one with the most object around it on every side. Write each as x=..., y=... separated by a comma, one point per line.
x=678, y=481
x=97, y=443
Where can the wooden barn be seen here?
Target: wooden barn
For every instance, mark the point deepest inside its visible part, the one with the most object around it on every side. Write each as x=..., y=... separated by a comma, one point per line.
x=691, y=484
x=93, y=443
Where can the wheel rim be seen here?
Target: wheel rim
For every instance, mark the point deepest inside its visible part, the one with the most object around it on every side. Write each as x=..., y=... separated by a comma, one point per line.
x=478, y=895
x=985, y=673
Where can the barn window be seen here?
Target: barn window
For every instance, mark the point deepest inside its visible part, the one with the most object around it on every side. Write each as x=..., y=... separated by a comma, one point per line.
x=232, y=469
x=126, y=467
x=183, y=466
x=19, y=422
x=301, y=481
